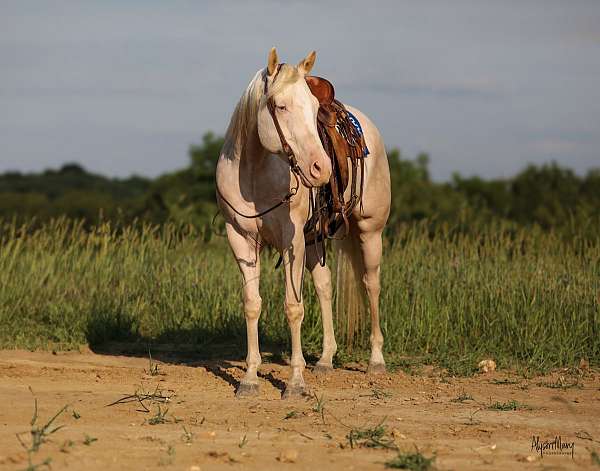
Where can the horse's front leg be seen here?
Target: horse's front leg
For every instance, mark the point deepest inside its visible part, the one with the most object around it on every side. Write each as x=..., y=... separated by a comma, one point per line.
x=247, y=257
x=294, y=310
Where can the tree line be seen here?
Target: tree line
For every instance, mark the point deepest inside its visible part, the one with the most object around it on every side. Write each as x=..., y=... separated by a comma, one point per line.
x=550, y=196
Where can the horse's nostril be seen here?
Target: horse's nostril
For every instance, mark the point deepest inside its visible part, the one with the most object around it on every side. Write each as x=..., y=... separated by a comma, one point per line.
x=315, y=169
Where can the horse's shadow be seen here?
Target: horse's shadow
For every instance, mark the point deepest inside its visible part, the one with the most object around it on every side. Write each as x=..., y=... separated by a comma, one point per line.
x=219, y=360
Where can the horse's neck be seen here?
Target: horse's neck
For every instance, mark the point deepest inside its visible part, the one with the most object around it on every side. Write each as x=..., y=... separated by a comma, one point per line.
x=244, y=167
x=251, y=174
x=247, y=156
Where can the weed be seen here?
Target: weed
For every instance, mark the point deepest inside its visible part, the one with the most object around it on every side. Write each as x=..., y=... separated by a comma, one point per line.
x=140, y=396
x=38, y=436
x=508, y=406
x=168, y=460
x=291, y=415
x=319, y=406
x=67, y=445
x=37, y=467
x=595, y=457
x=561, y=383
x=160, y=417
x=410, y=366
x=462, y=397
x=375, y=437
x=472, y=420
x=243, y=441
x=377, y=394
x=411, y=461
x=187, y=436
x=152, y=366
x=76, y=415
x=505, y=381
x=89, y=440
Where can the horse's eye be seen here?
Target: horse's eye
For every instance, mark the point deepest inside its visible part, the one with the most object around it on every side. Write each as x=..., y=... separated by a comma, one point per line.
x=281, y=108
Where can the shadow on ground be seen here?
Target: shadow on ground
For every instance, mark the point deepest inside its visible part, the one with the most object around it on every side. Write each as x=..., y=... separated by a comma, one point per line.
x=196, y=347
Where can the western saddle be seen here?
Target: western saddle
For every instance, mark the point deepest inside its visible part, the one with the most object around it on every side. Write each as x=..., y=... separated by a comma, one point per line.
x=344, y=143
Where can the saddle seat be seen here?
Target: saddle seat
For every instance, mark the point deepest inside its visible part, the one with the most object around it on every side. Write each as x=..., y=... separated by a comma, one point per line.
x=321, y=88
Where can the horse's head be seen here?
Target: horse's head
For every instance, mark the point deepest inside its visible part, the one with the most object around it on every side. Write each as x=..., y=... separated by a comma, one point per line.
x=295, y=109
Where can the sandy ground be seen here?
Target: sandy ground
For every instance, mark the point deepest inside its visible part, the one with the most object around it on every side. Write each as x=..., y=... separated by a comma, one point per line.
x=208, y=428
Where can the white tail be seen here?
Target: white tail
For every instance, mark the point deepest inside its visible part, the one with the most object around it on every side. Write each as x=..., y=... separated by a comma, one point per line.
x=350, y=309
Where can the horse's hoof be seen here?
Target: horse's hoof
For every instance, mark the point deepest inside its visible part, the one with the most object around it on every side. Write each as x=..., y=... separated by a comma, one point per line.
x=322, y=369
x=247, y=390
x=376, y=369
x=294, y=392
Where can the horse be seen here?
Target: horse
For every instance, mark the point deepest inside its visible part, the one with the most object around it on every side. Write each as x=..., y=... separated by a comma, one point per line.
x=271, y=160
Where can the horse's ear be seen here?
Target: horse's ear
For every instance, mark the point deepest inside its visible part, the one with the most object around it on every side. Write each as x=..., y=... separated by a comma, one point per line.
x=272, y=61
x=306, y=64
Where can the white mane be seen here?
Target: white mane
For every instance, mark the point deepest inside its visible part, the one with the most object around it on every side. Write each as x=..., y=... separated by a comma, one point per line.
x=245, y=114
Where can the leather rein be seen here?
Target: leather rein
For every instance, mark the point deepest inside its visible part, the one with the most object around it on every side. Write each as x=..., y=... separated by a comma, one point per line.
x=292, y=161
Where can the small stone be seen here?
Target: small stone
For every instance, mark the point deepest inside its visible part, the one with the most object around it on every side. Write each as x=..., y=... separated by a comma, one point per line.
x=487, y=366
x=528, y=459
x=288, y=456
x=195, y=468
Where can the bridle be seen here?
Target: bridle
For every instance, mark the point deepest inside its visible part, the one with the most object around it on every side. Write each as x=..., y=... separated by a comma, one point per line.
x=292, y=161
x=287, y=150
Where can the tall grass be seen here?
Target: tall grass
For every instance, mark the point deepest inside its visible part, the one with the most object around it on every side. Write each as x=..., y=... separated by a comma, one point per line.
x=521, y=296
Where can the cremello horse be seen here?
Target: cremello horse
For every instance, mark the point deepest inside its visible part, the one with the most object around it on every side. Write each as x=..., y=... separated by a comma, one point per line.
x=253, y=174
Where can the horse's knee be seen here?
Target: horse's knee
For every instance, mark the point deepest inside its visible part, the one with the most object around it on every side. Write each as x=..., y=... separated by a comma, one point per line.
x=376, y=338
x=252, y=307
x=323, y=287
x=294, y=312
x=371, y=282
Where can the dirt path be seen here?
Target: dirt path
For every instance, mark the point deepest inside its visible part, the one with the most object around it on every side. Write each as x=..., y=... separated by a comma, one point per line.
x=207, y=428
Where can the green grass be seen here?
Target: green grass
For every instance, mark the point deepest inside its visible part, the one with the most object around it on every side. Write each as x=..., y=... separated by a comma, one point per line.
x=411, y=461
x=520, y=296
x=293, y=414
x=38, y=435
x=561, y=383
x=375, y=437
x=511, y=405
x=462, y=397
x=595, y=457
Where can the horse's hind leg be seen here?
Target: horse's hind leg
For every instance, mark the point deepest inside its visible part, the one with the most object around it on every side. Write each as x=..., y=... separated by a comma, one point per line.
x=247, y=256
x=371, y=248
x=322, y=280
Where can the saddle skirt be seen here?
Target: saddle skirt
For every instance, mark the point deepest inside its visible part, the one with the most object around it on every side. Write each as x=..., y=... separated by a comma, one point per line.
x=344, y=142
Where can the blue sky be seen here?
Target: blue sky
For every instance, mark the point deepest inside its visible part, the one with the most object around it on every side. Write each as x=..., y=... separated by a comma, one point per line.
x=125, y=87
